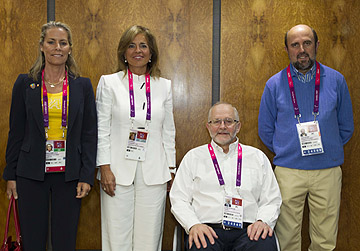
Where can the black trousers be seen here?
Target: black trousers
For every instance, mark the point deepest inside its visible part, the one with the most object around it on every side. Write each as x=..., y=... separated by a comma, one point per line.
x=236, y=240
x=33, y=204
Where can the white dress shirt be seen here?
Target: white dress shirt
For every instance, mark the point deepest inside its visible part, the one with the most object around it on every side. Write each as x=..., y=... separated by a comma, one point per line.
x=197, y=197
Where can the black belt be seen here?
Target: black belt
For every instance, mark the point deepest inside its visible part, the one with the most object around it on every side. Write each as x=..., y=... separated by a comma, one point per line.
x=220, y=226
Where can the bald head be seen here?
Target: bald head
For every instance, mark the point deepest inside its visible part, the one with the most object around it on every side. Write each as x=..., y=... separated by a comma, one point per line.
x=301, y=45
x=236, y=114
x=300, y=27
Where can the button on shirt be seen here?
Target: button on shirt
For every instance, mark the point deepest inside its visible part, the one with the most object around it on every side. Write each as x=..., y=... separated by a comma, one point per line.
x=197, y=197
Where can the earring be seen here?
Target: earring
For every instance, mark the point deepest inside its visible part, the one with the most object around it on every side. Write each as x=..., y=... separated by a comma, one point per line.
x=149, y=60
x=125, y=61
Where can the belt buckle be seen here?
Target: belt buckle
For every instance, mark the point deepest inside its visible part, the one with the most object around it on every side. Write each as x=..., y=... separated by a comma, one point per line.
x=226, y=228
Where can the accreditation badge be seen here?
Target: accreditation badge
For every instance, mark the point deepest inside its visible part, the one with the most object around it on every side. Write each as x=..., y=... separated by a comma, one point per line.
x=55, y=156
x=310, y=138
x=233, y=212
x=137, y=144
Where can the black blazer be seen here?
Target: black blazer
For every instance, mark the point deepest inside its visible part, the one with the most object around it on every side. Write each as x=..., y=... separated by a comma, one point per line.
x=25, y=153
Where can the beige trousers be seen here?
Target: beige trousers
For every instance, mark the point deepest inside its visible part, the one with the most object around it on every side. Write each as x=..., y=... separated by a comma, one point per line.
x=323, y=189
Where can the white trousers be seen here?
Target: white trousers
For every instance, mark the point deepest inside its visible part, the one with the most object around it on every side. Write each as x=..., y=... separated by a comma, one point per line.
x=134, y=218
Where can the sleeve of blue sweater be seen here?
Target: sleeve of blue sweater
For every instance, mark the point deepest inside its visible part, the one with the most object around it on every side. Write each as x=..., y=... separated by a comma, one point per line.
x=267, y=116
x=344, y=112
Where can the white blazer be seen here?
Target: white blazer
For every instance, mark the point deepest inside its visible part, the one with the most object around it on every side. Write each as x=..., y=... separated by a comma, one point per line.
x=113, y=108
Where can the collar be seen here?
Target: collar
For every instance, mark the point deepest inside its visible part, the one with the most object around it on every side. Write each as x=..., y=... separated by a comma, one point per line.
x=232, y=147
x=307, y=77
x=138, y=79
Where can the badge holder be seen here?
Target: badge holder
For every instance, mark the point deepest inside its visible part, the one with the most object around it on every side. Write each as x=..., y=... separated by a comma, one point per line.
x=310, y=138
x=233, y=212
x=137, y=144
x=55, y=150
x=55, y=156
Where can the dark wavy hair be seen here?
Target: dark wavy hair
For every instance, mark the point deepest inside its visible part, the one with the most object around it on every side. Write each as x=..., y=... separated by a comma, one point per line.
x=125, y=40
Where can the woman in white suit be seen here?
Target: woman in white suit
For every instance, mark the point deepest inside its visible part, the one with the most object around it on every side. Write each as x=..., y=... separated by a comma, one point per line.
x=136, y=146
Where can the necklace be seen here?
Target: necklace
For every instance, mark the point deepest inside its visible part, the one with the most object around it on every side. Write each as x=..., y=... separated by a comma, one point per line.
x=52, y=85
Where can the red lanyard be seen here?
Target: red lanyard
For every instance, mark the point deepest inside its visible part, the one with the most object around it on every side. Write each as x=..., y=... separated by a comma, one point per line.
x=132, y=99
x=217, y=167
x=316, y=95
x=63, y=108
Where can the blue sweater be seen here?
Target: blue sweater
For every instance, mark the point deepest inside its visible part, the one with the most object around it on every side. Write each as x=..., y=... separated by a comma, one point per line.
x=277, y=124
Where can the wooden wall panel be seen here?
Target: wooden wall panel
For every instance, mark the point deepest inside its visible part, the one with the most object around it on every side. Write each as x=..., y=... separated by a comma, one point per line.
x=20, y=25
x=343, y=53
x=252, y=50
x=184, y=34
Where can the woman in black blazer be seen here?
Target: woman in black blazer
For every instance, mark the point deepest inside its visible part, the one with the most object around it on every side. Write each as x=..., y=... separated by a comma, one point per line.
x=52, y=143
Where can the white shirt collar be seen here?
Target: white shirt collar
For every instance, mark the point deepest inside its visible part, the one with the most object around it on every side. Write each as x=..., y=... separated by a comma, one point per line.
x=232, y=146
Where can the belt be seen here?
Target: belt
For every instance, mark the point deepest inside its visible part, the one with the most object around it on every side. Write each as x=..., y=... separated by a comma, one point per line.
x=220, y=226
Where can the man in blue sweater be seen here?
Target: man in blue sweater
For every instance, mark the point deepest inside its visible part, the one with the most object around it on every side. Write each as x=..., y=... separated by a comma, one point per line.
x=306, y=118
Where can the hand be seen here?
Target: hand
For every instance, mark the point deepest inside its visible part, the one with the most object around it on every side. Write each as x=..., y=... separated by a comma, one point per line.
x=107, y=180
x=197, y=235
x=82, y=190
x=254, y=230
x=11, y=189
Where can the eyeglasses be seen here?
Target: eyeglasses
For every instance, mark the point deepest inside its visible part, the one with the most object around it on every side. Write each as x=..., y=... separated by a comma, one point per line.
x=227, y=121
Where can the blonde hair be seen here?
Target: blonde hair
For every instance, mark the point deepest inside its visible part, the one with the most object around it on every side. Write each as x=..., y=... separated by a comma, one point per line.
x=127, y=38
x=40, y=61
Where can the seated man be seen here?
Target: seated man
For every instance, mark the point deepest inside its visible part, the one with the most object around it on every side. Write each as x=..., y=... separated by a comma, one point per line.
x=225, y=194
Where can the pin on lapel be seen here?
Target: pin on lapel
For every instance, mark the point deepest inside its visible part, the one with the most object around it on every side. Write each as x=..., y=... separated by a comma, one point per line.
x=32, y=86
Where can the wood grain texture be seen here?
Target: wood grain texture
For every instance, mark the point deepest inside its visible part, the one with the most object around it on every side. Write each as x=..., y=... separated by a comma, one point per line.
x=184, y=33
x=20, y=24
x=252, y=50
x=342, y=53
x=186, y=60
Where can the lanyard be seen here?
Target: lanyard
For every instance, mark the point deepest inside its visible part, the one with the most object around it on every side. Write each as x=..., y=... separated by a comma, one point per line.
x=217, y=167
x=316, y=95
x=132, y=99
x=63, y=108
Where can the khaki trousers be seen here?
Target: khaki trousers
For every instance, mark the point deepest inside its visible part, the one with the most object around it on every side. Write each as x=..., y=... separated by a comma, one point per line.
x=323, y=189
